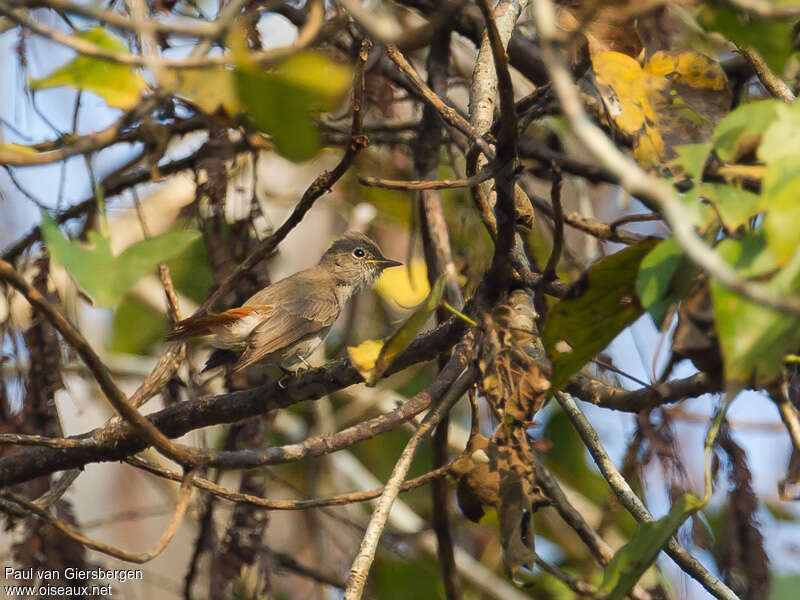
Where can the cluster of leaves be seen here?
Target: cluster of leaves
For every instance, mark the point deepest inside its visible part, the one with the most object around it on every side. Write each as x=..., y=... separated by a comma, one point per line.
x=758, y=236
x=280, y=101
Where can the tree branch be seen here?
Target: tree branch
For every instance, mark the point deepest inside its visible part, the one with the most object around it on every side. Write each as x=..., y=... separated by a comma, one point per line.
x=366, y=554
x=633, y=504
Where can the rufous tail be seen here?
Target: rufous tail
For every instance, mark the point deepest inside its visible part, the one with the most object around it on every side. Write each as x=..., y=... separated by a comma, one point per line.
x=203, y=325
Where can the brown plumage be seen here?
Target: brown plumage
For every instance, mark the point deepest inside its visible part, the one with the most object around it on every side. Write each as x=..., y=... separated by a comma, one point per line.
x=283, y=323
x=199, y=326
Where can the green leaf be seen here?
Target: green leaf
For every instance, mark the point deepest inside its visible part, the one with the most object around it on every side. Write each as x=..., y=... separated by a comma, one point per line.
x=691, y=158
x=191, y=271
x=753, y=338
x=600, y=305
x=740, y=131
x=655, y=276
x=734, y=205
x=136, y=327
x=784, y=587
x=399, y=341
x=117, y=84
x=635, y=557
x=782, y=138
x=781, y=189
x=696, y=210
x=772, y=38
x=102, y=275
x=283, y=101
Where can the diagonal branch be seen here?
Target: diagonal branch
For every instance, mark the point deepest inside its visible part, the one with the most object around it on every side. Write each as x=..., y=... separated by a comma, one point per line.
x=366, y=554
x=177, y=517
x=633, y=504
x=116, y=397
x=116, y=440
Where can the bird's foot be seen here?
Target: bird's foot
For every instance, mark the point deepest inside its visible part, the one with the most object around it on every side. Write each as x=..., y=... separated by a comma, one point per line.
x=283, y=382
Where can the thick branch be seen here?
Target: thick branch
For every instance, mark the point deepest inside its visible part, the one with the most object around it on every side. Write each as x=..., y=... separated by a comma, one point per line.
x=115, y=440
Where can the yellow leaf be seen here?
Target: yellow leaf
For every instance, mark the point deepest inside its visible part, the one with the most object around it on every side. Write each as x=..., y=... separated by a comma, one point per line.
x=364, y=356
x=372, y=358
x=676, y=99
x=27, y=150
x=208, y=89
x=399, y=290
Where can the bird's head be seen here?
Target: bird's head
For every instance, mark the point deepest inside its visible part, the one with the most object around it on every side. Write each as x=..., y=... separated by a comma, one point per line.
x=356, y=260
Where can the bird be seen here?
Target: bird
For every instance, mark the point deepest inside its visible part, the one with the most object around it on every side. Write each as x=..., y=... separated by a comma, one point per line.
x=282, y=324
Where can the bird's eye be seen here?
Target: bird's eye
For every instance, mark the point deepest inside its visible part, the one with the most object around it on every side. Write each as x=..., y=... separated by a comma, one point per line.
x=359, y=253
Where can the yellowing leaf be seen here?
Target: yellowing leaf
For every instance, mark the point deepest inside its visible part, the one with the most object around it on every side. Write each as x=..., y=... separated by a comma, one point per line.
x=364, y=356
x=209, y=89
x=676, y=99
x=400, y=339
x=117, y=84
x=19, y=148
x=782, y=138
x=779, y=194
x=401, y=291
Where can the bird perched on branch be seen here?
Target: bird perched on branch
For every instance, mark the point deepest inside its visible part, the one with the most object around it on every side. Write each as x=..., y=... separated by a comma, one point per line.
x=285, y=322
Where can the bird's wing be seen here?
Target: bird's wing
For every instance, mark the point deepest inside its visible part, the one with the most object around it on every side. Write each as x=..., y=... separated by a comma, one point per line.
x=311, y=308
x=276, y=333
x=304, y=294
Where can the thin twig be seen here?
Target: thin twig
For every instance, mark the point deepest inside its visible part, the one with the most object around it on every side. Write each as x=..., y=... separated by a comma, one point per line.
x=115, y=440
x=505, y=208
x=774, y=84
x=100, y=372
x=366, y=554
x=448, y=114
x=288, y=562
x=303, y=504
x=21, y=439
x=175, y=26
x=263, y=57
x=439, y=260
x=581, y=588
x=596, y=544
x=166, y=537
x=485, y=173
x=633, y=504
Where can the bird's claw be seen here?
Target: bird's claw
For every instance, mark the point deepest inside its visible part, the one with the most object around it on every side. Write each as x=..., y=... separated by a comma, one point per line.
x=284, y=380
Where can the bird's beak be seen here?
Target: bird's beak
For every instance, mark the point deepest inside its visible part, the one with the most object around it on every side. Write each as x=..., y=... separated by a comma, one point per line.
x=385, y=263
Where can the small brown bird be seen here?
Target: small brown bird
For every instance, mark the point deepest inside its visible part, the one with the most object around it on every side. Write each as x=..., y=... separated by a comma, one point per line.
x=285, y=322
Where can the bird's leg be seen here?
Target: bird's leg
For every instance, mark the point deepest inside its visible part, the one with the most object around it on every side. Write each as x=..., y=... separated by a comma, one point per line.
x=305, y=363
x=287, y=375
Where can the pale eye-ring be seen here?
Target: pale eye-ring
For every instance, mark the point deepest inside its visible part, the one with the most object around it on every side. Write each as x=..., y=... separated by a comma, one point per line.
x=359, y=253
